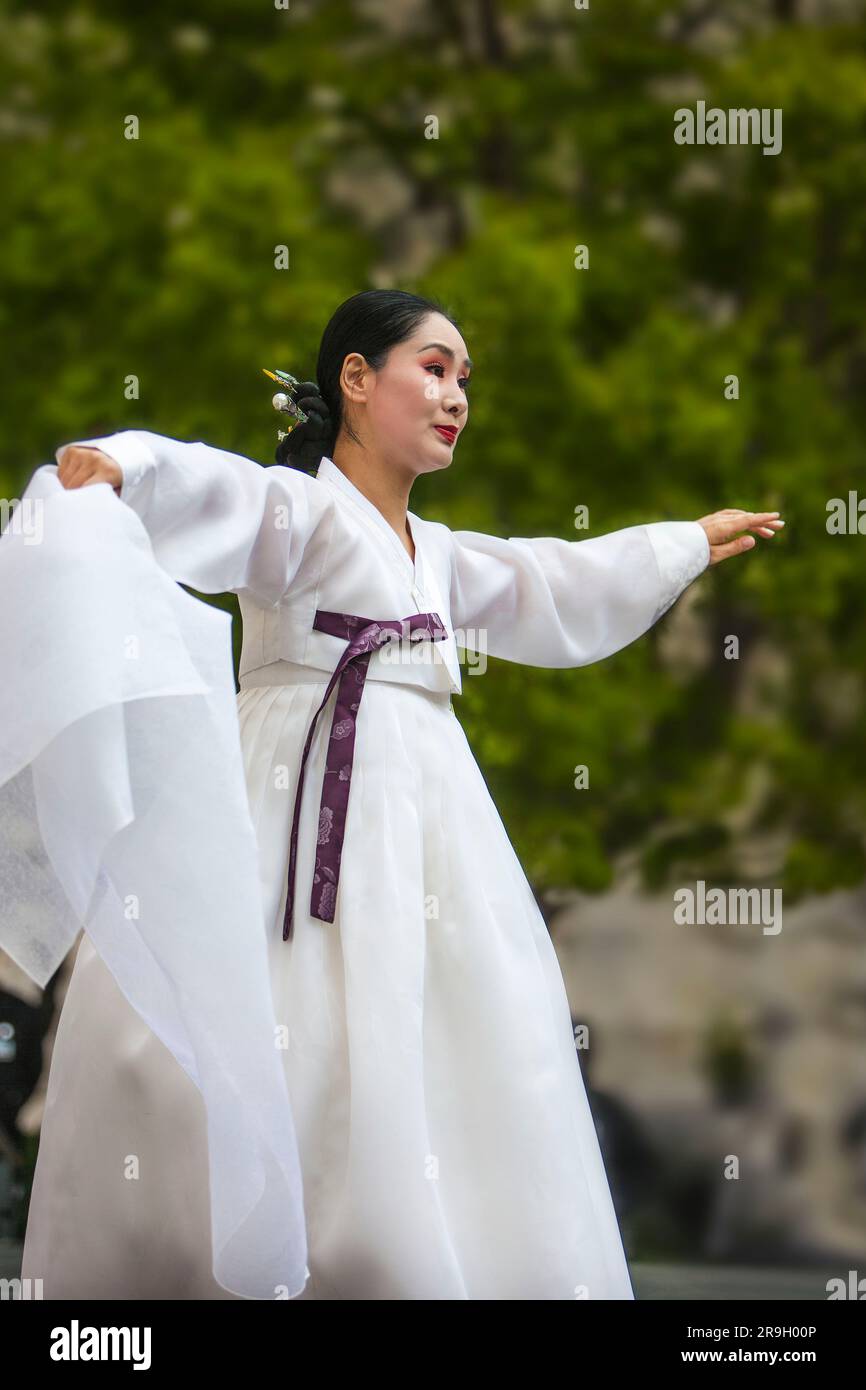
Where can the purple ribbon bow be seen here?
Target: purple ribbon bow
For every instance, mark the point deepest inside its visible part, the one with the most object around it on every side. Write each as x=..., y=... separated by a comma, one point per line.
x=364, y=637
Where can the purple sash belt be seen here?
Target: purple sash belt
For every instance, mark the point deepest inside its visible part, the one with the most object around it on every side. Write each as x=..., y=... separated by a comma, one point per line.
x=364, y=636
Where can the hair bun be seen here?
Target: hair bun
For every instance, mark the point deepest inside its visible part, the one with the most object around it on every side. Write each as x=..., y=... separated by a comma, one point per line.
x=306, y=444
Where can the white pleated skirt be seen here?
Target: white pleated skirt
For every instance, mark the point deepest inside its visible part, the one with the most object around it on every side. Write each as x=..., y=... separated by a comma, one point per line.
x=447, y=1146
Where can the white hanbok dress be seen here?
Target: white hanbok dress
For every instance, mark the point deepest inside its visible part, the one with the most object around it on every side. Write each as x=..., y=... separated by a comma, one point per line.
x=445, y=1141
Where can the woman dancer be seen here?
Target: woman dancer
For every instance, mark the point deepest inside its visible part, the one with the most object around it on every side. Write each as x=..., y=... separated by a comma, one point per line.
x=445, y=1139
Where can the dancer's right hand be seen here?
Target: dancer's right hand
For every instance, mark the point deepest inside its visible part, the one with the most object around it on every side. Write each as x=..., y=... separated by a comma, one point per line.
x=81, y=464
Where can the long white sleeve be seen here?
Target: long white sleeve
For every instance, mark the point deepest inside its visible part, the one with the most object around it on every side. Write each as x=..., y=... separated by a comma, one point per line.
x=122, y=773
x=552, y=602
x=218, y=521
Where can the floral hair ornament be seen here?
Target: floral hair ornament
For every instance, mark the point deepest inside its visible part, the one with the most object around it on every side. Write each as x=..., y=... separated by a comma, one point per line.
x=284, y=401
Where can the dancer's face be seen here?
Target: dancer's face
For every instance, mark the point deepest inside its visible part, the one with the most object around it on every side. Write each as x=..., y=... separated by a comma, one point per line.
x=423, y=384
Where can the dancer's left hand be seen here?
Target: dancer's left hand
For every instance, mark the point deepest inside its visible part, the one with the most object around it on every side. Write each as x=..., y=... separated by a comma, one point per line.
x=723, y=529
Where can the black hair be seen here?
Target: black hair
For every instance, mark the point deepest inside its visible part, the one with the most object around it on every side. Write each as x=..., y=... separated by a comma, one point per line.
x=370, y=323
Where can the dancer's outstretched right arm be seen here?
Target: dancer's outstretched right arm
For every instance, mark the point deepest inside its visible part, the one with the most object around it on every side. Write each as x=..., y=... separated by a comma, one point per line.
x=218, y=521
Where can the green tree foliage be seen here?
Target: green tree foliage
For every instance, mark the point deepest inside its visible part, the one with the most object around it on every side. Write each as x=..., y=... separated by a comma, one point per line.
x=603, y=386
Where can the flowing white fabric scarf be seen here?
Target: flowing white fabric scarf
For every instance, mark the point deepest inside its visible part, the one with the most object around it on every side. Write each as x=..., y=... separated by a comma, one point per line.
x=124, y=810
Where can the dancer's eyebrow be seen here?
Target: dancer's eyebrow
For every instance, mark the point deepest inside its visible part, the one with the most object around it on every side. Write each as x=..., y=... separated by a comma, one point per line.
x=449, y=352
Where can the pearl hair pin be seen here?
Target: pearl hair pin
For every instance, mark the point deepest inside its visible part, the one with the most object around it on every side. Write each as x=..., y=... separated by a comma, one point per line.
x=283, y=400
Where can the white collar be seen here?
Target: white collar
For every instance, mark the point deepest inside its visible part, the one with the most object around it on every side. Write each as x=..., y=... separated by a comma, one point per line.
x=329, y=472
x=421, y=577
